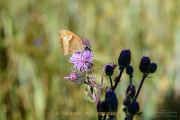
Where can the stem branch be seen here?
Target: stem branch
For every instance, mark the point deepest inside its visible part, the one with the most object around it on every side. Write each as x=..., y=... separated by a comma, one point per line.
x=130, y=81
x=111, y=82
x=144, y=76
x=104, y=117
x=118, y=80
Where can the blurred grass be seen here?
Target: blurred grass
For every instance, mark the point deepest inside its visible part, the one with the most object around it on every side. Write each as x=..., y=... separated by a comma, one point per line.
x=32, y=67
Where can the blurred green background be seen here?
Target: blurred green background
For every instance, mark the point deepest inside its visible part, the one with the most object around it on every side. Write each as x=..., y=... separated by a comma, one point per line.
x=32, y=66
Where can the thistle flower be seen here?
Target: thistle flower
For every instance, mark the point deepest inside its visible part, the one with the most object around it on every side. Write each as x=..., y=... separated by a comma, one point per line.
x=82, y=61
x=76, y=78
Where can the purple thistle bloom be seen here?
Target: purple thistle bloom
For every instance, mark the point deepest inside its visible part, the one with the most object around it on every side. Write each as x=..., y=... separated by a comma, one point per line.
x=82, y=61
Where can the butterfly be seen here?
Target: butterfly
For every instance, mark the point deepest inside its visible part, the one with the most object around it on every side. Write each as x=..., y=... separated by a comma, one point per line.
x=71, y=43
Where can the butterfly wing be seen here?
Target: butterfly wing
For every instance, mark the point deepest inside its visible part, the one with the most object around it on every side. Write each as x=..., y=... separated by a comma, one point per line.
x=70, y=43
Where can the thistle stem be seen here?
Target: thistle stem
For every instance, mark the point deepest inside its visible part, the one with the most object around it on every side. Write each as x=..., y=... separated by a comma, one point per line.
x=87, y=83
x=99, y=92
x=118, y=80
x=111, y=82
x=98, y=97
x=130, y=81
x=99, y=117
x=143, y=78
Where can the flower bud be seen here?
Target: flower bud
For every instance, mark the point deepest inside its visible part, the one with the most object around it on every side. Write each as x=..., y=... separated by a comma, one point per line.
x=145, y=65
x=133, y=108
x=129, y=70
x=116, y=79
x=104, y=107
x=130, y=92
x=111, y=98
x=153, y=68
x=121, y=67
x=76, y=78
x=124, y=58
x=126, y=102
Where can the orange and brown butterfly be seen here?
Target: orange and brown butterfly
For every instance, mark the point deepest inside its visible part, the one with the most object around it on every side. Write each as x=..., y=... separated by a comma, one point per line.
x=71, y=43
